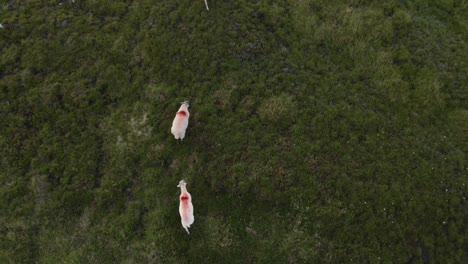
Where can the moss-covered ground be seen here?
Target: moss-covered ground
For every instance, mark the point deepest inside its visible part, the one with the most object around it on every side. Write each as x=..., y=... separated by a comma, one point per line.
x=321, y=131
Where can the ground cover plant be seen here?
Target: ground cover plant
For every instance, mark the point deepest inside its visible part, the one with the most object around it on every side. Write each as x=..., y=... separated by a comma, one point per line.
x=320, y=131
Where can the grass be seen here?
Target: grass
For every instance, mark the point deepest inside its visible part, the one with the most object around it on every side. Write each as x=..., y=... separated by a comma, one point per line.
x=320, y=131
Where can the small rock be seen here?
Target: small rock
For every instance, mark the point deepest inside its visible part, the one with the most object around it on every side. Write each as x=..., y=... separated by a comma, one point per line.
x=65, y=23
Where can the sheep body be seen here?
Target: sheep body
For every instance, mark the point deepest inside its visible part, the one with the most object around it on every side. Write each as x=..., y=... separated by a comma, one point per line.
x=185, y=207
x=180, y=123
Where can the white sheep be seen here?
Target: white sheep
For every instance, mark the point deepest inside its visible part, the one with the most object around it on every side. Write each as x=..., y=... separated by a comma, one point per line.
x=185, y=207
x=180, y=123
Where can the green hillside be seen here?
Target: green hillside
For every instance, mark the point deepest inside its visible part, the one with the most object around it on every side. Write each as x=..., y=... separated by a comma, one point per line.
x=321, y=131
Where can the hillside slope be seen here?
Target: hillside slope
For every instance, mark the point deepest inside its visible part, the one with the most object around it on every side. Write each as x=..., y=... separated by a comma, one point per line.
x=320, y=131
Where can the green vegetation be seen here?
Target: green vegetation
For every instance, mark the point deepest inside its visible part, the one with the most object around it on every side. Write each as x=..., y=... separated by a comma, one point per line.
x=321, y=131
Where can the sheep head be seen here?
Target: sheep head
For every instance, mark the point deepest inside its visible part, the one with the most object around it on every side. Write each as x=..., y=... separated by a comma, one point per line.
x=182, y=183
